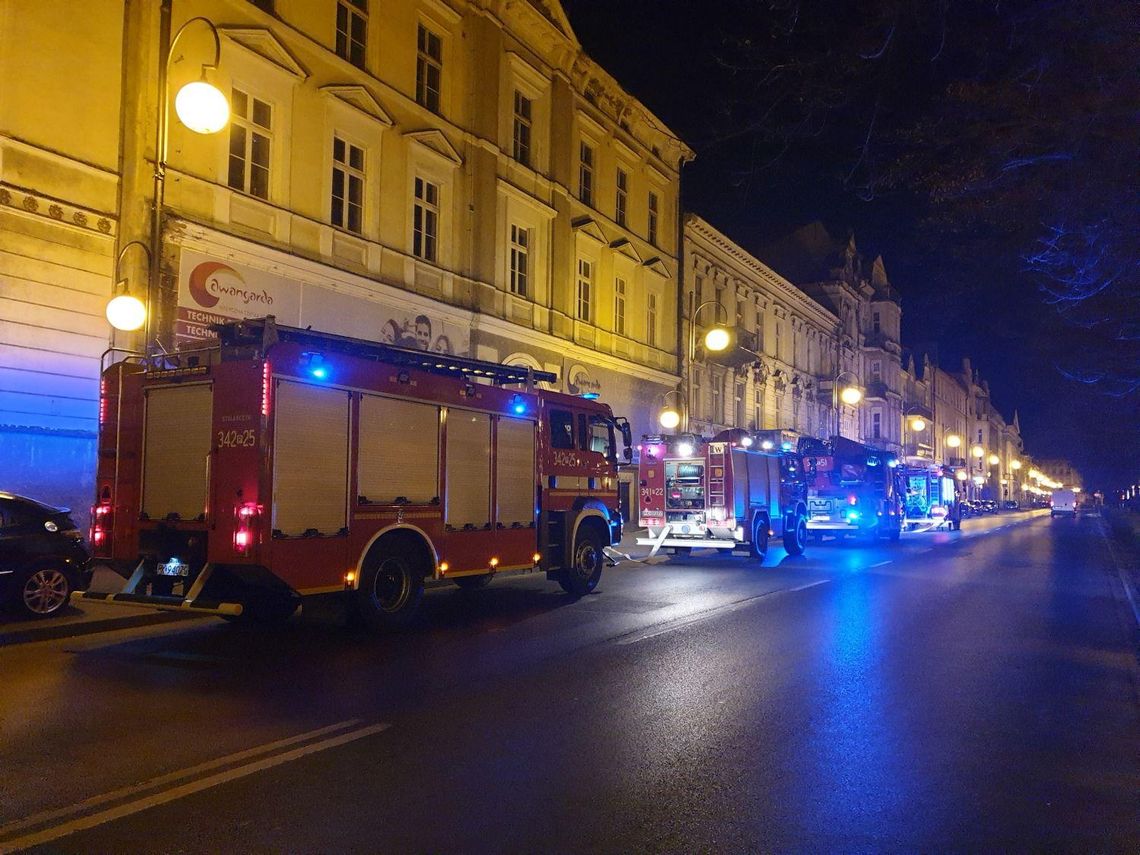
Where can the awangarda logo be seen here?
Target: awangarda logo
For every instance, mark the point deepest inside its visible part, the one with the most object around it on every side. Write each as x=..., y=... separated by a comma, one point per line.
x=212, y=280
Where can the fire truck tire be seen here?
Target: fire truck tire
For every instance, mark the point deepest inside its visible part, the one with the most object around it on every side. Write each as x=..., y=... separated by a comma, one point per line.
x=895, y=535
x=391, y=589
x=795, y=535
x=585, y=569
x=758, y=548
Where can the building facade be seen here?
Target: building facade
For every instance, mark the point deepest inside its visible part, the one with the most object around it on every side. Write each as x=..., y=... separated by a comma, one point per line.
x=456, y=176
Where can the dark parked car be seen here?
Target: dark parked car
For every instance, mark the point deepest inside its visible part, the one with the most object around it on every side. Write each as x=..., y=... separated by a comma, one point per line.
x=42, y=556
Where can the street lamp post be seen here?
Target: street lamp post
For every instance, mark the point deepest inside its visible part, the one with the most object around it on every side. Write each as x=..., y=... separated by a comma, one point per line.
x=125, y=311
x=916, y=423
x=203, y=109
x=717, y=339
x=670, y=416
x=851, y=395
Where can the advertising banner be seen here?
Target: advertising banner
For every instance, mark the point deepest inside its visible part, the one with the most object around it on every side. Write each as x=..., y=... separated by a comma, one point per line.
x=212, y=291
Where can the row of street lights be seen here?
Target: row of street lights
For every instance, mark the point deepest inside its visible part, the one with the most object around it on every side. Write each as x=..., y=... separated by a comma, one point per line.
x=203, y=109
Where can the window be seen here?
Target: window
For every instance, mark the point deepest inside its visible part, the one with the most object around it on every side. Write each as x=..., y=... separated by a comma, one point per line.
x=561, y=429
x=429, y=68
x=739, y=399
x=585, y=286
x=717, y=401
x=264, y=5
x=619, y=306
x=622, y=193
x=653, y=218
x=757, y=406
x=521, y=138
x=586, y=174
x=250, y=127
x=876, y=370
x=347, y=186
x=778, y=345
x=651, y=320
x=876, y=424
x=520, y=260
x=877, y=322
x=425, y=220
x=351, y=27
x=601, y=437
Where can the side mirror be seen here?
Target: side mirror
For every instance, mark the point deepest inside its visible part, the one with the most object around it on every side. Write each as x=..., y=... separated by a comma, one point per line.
x=628, y=454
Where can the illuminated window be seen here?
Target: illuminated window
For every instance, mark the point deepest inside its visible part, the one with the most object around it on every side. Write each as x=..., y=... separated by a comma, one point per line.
x=585, y=289
x=251, y=123
x=425, y=220
x=347, y=186
x=520, y=260
x=429, y=68
x=351, y=30
x=522, y=123
x=586, y=174
x=619, y=306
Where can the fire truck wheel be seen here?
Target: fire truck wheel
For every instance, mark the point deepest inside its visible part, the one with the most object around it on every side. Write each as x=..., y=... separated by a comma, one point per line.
x=758, y=548
x=795, y=536
x=582, y=576
x=390, y=591
x=895, y=535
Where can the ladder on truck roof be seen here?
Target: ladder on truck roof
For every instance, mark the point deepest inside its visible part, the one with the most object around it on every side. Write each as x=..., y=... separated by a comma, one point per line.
x=264, y=332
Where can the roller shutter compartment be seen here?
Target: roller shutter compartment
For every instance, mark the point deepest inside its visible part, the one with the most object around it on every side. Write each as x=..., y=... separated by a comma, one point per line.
x=179, y=422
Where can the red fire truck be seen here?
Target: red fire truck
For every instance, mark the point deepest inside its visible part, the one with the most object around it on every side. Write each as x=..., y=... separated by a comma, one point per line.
x=732, y=492
x=853, y=489
x=281, y=463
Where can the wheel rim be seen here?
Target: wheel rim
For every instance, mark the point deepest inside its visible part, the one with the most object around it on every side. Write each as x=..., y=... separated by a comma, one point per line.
x=801, y=532
x=45, y=592
x=586, y=560
x=392, y=585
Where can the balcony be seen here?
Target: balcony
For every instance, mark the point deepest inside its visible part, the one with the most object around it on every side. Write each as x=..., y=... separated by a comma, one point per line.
x=747, y=350
x=877, y=390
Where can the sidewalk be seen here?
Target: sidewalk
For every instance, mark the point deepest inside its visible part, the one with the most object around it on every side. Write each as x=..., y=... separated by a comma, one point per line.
x=87, y=618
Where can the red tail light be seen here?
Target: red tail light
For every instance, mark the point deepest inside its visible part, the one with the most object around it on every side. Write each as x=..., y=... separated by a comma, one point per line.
x=101, y=519
x=244, y=517
x=852, y=499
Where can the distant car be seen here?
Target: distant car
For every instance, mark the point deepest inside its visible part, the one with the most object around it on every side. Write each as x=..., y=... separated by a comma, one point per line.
x=1011, y=505
x=989, y=506
x=42, y=556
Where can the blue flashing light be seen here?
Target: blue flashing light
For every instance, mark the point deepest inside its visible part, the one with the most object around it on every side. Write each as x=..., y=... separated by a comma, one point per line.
x=787, y=446
x=320, y=372
x=590, y=396
x=518, y=405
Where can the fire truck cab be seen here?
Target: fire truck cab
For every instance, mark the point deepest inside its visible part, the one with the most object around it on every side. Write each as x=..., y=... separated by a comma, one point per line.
x=282, y=463
x=853, y=489
x=727, y=493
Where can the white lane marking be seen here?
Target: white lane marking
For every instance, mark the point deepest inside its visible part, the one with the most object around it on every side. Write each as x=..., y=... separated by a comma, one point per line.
x=880, y=564
x=163, y=796
x=682, y=622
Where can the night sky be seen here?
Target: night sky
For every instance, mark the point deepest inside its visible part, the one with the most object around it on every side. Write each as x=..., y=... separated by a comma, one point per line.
x=987, y=151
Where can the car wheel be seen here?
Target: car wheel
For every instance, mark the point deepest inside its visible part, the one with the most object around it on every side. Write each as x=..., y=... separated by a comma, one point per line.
x=44, y=592
x=582, y=576
x=795, y=538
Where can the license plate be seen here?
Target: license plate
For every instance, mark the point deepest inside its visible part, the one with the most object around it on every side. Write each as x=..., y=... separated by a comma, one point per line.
x=174, y=567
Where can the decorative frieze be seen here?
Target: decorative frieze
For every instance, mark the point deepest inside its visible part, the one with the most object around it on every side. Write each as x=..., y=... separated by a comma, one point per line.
x=38, y=205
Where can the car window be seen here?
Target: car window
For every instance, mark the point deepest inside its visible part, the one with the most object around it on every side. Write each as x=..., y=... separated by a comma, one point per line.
x=561, y=429
x=601, y=437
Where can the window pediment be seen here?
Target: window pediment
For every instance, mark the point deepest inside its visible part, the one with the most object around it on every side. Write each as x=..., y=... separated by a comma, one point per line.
x=267, y=46
x=359, y=99
x=435, y=142
x=587, y=227
x=657, y=265
x=624, y=247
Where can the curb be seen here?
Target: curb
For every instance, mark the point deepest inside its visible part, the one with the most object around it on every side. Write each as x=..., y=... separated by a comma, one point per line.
x=51, y=632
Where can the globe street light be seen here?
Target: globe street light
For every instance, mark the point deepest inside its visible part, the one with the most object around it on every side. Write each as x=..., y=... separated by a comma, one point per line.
x=850, y=395
x=125, y=311
x=202, y=108
x=993, y=460
x=670, y=415
x=717, y=339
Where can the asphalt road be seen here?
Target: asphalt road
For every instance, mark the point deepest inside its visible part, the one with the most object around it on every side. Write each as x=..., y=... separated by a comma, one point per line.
x=968, y=692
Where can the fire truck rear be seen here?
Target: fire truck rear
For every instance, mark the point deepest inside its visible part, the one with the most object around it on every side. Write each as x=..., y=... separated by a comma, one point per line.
x=283, y=463
x=728, y=493
x=852, y=489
